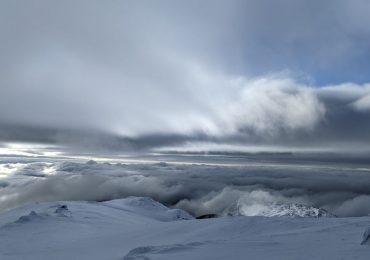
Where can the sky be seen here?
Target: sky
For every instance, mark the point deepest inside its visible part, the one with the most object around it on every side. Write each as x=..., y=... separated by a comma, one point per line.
x=123, y=76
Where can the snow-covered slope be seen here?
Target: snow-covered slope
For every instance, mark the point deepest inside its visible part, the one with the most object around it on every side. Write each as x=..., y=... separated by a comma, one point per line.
x=140, y=228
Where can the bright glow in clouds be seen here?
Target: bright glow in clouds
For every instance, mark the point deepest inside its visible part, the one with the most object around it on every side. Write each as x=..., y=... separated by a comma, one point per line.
x=363, y=104
x=28, y=150
x=269, y=105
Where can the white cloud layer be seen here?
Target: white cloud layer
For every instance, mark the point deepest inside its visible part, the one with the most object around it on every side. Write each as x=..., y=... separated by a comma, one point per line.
x=269, y=105
x=199, y=189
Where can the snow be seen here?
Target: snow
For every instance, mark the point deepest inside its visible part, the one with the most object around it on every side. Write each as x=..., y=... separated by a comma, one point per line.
x=280, y=210
x=366, y=236
x=140, y=228
x=145, y=206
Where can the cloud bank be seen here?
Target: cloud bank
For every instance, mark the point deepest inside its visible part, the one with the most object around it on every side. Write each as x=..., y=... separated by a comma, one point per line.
x=199, y=189
x=265, y=106
x=264, y=111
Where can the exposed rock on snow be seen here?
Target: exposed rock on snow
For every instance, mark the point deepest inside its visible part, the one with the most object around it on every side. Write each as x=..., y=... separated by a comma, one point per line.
x=140, y=228
x=205, y=216
x=366, y=236
x=277, y=210
x=57, y=210
x=62, y=211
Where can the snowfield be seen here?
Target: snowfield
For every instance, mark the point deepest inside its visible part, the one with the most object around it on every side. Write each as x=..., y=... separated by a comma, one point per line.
x=140, y=228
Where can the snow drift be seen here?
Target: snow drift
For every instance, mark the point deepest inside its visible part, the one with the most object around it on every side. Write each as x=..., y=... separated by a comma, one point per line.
x=140, y=228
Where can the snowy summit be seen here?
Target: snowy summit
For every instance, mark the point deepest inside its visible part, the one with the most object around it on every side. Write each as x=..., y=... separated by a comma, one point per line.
x=141, y=228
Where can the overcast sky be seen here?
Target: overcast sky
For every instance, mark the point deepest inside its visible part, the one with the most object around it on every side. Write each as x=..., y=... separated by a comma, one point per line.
x=127, y=75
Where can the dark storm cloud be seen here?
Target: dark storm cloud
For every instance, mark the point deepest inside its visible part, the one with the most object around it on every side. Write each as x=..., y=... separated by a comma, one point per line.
x=3, y=184
x=200, y=189
x=103, y=142
x=348, y=114
x=21, y=133
x=93, y=141
x=135, y=75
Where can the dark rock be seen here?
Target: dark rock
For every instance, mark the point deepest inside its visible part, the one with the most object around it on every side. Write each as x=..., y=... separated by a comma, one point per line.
x=205, y=216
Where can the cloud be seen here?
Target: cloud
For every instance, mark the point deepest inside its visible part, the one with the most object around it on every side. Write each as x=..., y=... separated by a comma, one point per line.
x=363, y=103
x=275, y=110
x=131, y=71
x=266, y=106
x=199, y=189
x=356, y=206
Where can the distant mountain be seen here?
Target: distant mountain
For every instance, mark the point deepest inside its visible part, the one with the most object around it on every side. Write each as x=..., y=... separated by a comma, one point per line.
x=277, y=210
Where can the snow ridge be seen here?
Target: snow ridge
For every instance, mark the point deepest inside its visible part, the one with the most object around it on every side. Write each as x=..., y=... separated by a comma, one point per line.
x=141, y=228
x=277, y=210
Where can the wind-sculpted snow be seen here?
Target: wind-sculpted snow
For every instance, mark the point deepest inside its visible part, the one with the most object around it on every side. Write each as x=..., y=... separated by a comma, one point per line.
x=56, y=210
x=252, y=189
x=173, y=250
x=140, y=228
x=28, y=218
x=60, y=211
x=148, y=207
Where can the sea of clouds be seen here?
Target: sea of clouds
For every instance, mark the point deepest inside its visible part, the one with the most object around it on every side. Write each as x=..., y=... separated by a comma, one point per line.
x=197, y=188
